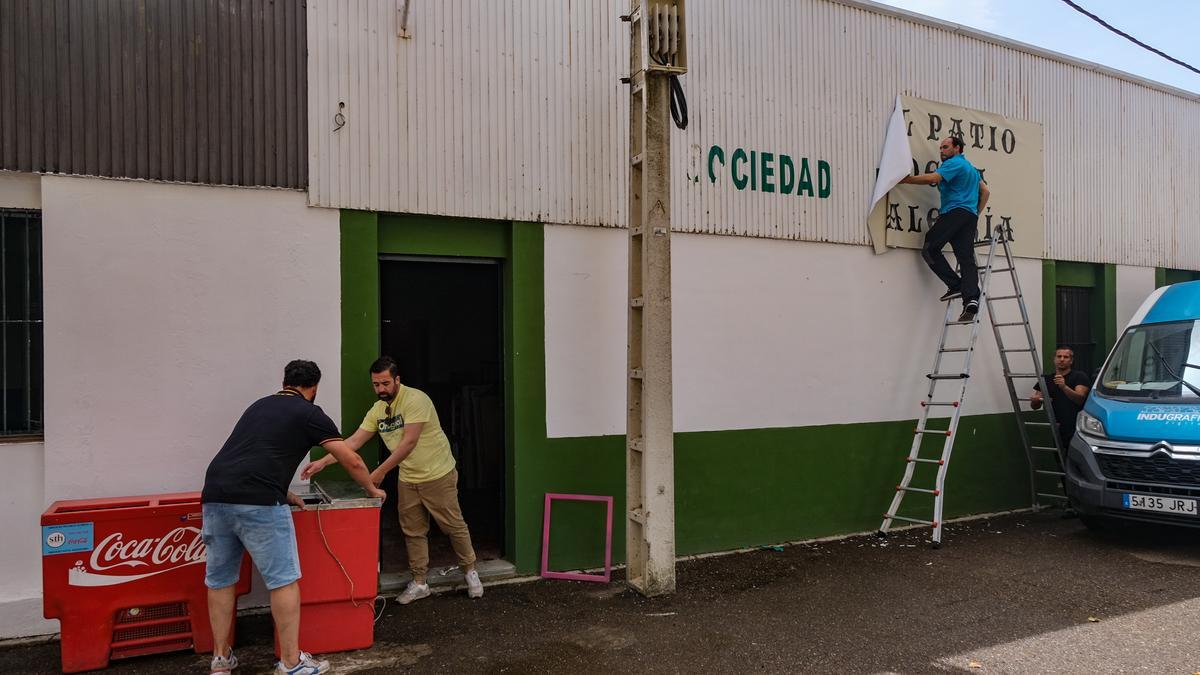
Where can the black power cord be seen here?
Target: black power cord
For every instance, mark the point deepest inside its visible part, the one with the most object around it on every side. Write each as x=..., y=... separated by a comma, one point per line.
x=1129, y=37
x=678, y=103
x=679, y=109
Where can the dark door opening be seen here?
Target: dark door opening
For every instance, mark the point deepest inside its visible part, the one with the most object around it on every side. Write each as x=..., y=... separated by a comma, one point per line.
x=442, y=322
x=1075, y=327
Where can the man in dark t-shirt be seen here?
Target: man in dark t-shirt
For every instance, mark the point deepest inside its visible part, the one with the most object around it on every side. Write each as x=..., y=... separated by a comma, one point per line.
x=1068, y=391
x=246, y=509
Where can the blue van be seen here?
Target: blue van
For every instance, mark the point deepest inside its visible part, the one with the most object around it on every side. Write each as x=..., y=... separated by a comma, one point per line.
x=1136, y=451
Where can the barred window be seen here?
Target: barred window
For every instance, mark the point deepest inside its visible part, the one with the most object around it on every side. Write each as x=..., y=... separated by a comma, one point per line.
x=21, y=319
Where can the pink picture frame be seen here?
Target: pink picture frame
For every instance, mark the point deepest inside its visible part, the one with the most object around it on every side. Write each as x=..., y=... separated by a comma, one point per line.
x=547, y=573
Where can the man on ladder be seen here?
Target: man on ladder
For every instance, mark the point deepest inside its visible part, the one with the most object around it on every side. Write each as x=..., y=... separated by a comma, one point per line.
x=964, y=195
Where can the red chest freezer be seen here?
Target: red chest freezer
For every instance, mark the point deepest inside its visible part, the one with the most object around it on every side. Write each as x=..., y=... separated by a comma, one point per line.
x=337, y=535
x=125, y=577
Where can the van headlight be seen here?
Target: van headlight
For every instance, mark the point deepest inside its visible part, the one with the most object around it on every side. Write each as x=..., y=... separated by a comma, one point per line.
x=1091, y=426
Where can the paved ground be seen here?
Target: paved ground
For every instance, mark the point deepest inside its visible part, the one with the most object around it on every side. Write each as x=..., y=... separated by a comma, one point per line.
x=1018, y=594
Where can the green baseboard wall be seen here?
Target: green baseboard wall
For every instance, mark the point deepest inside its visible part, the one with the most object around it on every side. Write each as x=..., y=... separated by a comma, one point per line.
x=763, y=486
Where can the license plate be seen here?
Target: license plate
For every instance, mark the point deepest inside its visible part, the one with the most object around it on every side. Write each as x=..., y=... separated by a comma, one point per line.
x=1183, y=507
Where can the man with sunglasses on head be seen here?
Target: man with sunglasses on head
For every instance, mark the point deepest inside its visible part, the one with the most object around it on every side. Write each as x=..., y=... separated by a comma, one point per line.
x=407, y=422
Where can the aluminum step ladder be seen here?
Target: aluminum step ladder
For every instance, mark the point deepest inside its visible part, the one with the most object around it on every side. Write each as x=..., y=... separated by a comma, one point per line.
x=948, y=388
x=1046, y=457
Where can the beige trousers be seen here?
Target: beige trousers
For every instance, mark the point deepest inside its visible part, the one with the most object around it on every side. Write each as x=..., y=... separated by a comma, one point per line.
x=438, y=498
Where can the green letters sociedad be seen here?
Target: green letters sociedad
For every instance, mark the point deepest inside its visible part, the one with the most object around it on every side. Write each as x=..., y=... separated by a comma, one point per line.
x=764, y=171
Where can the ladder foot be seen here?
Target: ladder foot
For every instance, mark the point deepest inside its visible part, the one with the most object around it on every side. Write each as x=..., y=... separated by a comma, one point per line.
x=881, y=534
x=935, y=545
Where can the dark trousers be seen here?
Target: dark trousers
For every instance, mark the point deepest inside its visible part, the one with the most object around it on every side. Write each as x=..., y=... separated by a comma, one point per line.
x=956, y=228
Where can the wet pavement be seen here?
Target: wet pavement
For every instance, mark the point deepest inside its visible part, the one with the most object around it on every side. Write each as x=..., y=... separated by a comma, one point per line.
x=1029, y=593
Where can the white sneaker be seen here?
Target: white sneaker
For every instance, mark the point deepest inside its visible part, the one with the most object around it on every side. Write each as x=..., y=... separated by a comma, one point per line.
x=307, y=666
x=222, y=665
x=474, y=585
x=414, y=591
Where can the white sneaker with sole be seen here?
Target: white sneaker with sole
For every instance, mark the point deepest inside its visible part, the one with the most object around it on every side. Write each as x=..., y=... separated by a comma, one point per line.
x=474, y=585
x=307, y=666
x=413, y=591
x=222, y=665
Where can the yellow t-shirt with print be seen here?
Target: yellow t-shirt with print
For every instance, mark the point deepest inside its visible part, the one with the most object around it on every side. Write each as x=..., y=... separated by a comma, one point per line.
x=431, y=458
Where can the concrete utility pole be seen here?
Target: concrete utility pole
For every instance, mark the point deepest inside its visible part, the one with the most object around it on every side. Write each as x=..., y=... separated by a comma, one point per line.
x=656, y=51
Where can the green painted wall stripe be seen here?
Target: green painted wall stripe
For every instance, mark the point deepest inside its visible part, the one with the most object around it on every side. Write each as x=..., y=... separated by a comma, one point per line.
x=442, y=236
x=763, y=486
x=1108, y=283
x=1075, y=274
x=1049, y=313
x=526, y=405
x=360, y=307
x=1175, y=276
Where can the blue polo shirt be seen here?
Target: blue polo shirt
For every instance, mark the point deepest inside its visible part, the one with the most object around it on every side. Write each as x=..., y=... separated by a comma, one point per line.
x=959, y=186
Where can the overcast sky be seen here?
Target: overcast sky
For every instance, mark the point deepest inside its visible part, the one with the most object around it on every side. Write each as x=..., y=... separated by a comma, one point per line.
x=1168, y=25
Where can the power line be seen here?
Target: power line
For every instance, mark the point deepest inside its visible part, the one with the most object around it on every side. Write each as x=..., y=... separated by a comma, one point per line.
x=1129, y=37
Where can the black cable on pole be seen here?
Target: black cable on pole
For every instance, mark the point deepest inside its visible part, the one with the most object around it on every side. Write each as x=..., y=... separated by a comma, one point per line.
x=679, y=109
x=678, y=104
x=1129, y=37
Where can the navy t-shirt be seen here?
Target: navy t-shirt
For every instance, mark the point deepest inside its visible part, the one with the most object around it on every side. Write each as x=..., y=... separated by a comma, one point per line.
x=257, y=462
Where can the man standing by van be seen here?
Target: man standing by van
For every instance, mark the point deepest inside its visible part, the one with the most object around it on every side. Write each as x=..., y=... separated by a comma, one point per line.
x=964, y=195
x=408, y=423
x=1068, y=391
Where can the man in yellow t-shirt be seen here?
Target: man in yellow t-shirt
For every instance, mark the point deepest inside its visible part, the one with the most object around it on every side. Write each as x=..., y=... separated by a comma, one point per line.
x=408, y=424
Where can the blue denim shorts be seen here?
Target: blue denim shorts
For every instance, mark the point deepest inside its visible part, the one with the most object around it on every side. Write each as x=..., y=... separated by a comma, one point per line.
x=267, y=532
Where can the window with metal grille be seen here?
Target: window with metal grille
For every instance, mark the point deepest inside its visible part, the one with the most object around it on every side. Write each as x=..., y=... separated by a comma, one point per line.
x=21, y=320
x=1074, y=325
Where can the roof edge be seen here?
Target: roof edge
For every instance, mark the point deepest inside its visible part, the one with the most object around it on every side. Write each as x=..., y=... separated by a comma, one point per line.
x=1000, y=41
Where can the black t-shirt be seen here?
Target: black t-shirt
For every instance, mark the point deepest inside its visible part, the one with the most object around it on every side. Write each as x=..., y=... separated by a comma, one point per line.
x=261, y=455
x=1065, y=410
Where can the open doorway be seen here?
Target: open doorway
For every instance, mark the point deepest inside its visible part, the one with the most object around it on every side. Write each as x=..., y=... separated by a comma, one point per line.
x=442, y=321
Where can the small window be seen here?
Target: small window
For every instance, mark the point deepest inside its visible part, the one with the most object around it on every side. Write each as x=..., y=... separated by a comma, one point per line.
x=21, y=319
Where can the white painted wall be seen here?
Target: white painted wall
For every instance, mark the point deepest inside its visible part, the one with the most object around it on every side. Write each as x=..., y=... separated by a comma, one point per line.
x=169, y=308
x=22, y=502
x=1133, y=285
x=767, y=333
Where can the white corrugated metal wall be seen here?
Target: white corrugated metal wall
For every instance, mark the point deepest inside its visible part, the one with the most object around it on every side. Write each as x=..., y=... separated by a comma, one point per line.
x=515, y=111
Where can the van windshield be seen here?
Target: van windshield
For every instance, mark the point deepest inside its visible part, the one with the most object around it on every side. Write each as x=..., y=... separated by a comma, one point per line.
x=1155, y=361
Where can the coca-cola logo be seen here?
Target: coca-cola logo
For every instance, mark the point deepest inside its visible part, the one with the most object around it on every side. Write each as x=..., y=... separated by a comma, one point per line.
x=181, y=547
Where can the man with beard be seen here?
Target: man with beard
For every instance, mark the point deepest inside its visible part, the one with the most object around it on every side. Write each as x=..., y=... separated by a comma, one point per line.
x=408, y=424
x=1068, y=390
x=964, y=196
